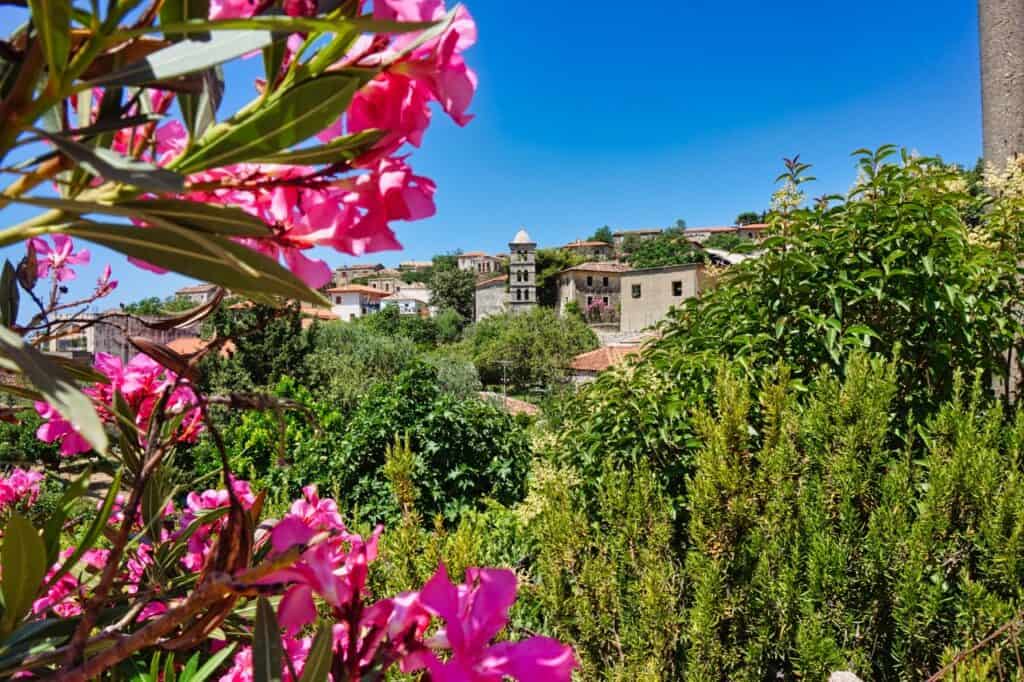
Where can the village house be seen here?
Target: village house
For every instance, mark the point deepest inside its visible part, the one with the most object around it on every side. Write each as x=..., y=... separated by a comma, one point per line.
x=406, y=303
x=355, y=300
x=108, y=332
x=479, y=262
x=415, y=265
x=346, y=273
x=594, y=288
x=591, y=249
x=388, y=281
x=649, y=293
x=753, y=232
x=198, y=293
x=491, y=296
x=621, y=236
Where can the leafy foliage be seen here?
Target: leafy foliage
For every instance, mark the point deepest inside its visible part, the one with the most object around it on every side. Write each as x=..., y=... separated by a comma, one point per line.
x=603, y=234
x=529, y=350
x=155, y=306
x=726, y=241
x=455, y=289
x=671, y=247
x=550, y=262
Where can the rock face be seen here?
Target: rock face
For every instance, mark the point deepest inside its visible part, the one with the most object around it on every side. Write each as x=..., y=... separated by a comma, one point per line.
x=843, y=676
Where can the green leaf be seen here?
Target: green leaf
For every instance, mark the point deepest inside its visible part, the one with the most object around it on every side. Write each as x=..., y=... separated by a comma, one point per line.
x=211, y=665
x=342, y=149
x=175, y=11
x=55, y=524
x=173, y=251
x=292, y=116
x=9, y=295
x=110, y=165
x=56, y=388
x=199, y=110
x=318, y=663
x=187, y=56
x=99, y=522
x=52, y=19
x=266, y=644
x=194, y=215
x=23, y=567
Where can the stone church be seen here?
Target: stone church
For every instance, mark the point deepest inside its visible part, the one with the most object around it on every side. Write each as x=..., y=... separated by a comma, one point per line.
x=515, y=292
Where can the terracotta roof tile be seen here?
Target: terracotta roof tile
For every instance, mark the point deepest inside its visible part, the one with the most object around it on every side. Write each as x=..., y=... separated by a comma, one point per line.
x=358, y=289
x=492, y=281
x=602, y=358
x=609, y=266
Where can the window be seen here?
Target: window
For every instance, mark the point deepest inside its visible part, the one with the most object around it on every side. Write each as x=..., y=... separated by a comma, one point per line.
x=590, y=281
x=604, y=281
x=677, y=288
x=604, y=299
x=636, y=291
x=590, y=300
x=519, y=294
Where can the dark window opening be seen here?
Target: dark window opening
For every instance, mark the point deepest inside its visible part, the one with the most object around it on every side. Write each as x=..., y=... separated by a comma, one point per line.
x=677, y=288
x=636, y=291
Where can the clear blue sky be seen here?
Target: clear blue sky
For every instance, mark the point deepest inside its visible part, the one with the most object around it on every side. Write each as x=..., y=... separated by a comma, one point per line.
x=636, y=114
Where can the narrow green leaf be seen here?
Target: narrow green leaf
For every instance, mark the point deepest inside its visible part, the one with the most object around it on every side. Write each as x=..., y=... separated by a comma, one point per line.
x=342, y=149
x=266, y=644
x=99, y=522
x=318, y=663
x=175, y=11
x=56, y=387
x=187, y=56
x=23, y=567
x=52, y=19
x=211, y=665
x=110, y=165
x=55, y=524
x=291, y=117
x=200, y=110
x=169, y=250
x=208, y=218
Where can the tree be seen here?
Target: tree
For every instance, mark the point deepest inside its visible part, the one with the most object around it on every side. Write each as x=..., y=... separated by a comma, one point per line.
x=749, y=218
x=529, y=350
x=550, y=262
x=726, y=241
x=680, y=224
x=603, y=234
x=455, y=289
x=671, y=247
x=1001, y=34
x=154, y=306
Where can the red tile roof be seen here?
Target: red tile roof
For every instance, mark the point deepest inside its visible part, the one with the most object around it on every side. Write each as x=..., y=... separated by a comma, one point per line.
x=602, y=358
x=510, y=405
x=756, y=227
x=609, y=266
x=187, y=345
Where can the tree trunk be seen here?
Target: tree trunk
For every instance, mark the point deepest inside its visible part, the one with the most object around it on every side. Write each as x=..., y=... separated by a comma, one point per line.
x=1001, y=28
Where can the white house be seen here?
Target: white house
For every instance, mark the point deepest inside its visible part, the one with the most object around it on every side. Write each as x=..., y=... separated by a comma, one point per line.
x=355, y=300
x=198, y=293
x=406, y=303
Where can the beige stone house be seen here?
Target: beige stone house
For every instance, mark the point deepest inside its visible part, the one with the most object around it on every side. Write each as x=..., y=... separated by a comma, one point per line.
x=594, y=287
x=108, y=332
x=198, y=293
x=591, y=249
x=388, y=281
x=648, y=294
x=346, y=273
x=491, y=297
x=641, y=235
x=479, y=262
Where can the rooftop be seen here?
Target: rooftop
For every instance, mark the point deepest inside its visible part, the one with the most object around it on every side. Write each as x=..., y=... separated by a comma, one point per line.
x=360, y=266
x=522, y=237
x=756, y=227
x=649, y=230
x=474, y=254
x=189, y=345
x=196, y=289
x=585, y=243
x=609, y=266
x=500, y=279
x=510, y=405
x=358, y=289
x=602, y=358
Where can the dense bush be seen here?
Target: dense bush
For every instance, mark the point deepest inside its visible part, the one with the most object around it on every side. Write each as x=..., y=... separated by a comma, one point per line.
x=466, y=449
x=671, y=247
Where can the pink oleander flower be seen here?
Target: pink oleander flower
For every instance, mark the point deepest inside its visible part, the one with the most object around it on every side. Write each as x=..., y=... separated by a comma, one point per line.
x=201, y=541
x=104, y=285
x=58, y=258
x=334, y=569
x=19, y=487
x=57, y=428
x=141, y=382
x=63, y=597
x=474, y=613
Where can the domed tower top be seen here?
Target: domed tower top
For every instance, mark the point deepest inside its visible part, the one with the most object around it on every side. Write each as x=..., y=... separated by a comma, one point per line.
x=522, y=237
x=522, y=272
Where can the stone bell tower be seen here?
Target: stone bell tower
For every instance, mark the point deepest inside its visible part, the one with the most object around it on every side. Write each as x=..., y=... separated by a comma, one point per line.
x=522, y=273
